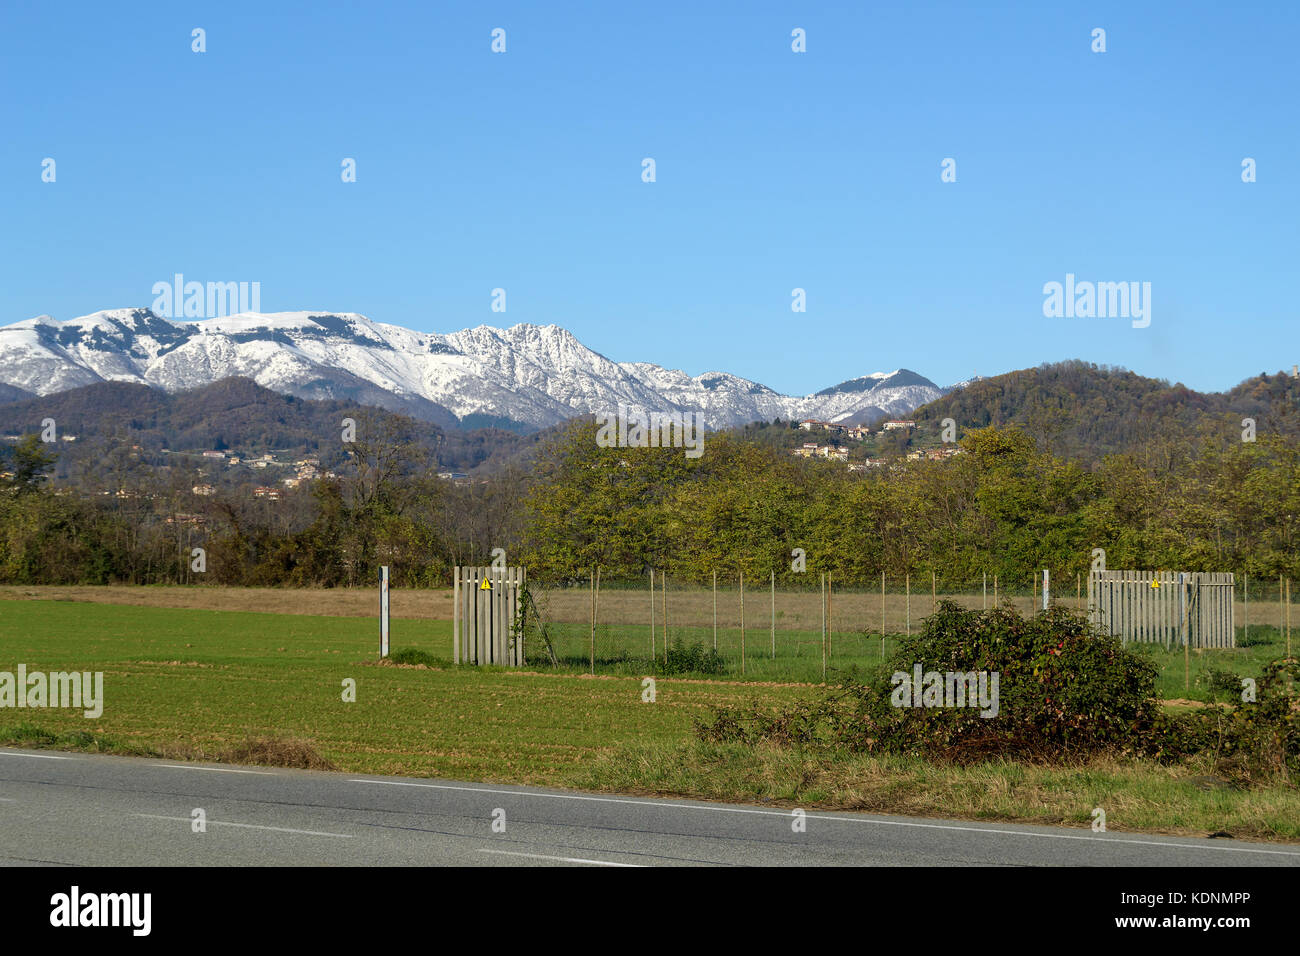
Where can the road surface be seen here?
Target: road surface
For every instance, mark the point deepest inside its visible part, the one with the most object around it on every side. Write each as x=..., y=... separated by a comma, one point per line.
x=93, y=810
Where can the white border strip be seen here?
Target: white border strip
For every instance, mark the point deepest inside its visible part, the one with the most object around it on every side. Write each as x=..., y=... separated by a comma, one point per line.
x=560, y=859
x=246, y=826
x=10, y=753
x=182, y=766
x=884, y=823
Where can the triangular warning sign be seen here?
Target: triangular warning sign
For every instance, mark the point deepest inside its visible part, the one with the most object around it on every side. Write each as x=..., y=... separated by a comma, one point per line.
x=486, y=585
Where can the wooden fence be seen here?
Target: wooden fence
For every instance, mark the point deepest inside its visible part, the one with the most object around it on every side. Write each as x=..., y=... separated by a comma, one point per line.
x=485, y=607
x=1148, y=606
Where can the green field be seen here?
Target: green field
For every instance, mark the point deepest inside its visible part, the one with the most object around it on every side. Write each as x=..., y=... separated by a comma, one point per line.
x=625, y=649
x=192, y=684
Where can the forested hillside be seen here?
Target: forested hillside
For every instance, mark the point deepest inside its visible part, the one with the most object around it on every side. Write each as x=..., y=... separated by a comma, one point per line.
x=1085, y=412
x=234, y=414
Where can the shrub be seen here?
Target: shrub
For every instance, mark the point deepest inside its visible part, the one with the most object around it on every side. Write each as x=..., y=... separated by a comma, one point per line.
x=694, y=659
x=1063, y=690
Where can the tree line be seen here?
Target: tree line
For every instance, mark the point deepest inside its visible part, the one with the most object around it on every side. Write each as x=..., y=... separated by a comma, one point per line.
x=1004, y=506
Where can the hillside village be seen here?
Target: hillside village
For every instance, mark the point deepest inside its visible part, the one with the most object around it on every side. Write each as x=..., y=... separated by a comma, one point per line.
x=865, y=436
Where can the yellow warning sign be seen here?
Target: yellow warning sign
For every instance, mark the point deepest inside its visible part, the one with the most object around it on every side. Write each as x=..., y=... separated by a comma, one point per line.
x=486, y=585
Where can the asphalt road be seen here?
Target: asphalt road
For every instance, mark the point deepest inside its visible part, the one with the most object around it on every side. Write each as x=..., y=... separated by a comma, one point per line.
x=93, y=810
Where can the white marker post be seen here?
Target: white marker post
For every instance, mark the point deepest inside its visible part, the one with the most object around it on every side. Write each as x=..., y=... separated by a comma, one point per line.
x=383, y=611
x=1047, y=590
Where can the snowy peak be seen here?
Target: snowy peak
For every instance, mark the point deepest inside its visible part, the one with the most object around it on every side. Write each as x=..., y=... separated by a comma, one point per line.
x=531, y=375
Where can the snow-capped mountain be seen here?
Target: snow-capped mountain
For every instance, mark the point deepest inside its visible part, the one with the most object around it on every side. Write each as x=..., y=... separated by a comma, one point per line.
x=530, y=375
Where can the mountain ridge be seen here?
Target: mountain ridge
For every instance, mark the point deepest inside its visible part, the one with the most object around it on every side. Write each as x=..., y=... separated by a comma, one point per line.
x=533, y=376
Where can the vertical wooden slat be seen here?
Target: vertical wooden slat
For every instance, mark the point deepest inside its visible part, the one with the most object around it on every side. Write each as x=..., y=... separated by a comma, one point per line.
x=480, y=618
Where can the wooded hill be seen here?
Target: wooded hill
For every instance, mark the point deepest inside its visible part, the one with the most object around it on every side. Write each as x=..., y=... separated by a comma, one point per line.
x=234, y=415
x=1084, y=412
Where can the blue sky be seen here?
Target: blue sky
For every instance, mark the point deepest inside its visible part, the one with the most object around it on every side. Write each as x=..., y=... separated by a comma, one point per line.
x=775, y=170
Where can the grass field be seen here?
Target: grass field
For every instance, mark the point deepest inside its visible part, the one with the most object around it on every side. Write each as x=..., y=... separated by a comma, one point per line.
x=196, y=684
x=422, y=620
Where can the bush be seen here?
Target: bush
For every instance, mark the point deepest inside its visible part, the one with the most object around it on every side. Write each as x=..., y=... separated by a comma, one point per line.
x=1065, y=692
x=1062, y=691
x=1252, y=740
x=692, y=660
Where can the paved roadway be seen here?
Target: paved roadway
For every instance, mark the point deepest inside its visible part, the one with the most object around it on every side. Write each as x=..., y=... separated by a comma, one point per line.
x=88, y=809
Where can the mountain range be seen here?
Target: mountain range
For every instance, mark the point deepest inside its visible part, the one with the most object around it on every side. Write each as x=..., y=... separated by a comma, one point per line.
x=523, y=378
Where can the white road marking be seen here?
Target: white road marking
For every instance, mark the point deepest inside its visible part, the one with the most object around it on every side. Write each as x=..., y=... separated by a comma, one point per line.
x=819, y=816
x=10, y=753
x=561, y=859
x=181, y=766
x=247, y=826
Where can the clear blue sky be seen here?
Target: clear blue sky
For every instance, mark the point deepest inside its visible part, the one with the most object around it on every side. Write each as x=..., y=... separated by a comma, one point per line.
x=775, y=170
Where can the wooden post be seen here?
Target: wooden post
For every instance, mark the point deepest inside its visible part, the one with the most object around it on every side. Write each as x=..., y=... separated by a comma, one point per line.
x=1187, y=637
x=882, y=615
x=715, y=612
x=742, y=623
x=823, y=627
x=995, y=590
x=830, y=621
x=654, y=656
x=934, y=593
x=1288, y=617
x=985, y=593
x=1245, y=593
x=455, y=616
x=773, y=615
x=907, y=590
x=1078, y=591
x=593, y=620
x=663, y=593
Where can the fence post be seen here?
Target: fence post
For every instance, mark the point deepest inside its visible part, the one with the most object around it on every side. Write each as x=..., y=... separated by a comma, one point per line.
x=1245, y=593
x=823, y=627
x=773, y=615
x=1047, y=588
x=455, y=616
x=1187, y=637
x=742, y=623
x=715, y=612
x=882, y=615
x=663, y=593
x=654, y=656
x=985, y=591
x=383, y=611
x=593, y=620
x=934, y=593
x=907, y=590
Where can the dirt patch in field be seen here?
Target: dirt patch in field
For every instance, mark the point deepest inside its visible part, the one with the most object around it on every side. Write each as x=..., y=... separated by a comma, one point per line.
x=328, y=602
